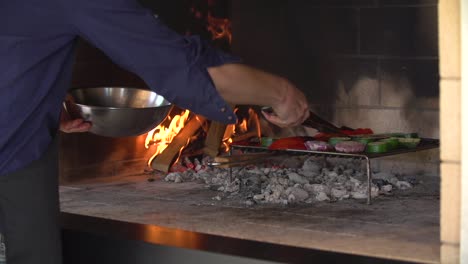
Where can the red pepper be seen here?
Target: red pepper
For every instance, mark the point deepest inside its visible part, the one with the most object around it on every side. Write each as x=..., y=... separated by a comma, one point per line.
x=359, y=131
x=290, y=143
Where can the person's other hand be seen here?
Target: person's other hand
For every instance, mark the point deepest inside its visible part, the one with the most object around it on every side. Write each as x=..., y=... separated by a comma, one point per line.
x=293, y=110
x=74, y=126
x=69, y=125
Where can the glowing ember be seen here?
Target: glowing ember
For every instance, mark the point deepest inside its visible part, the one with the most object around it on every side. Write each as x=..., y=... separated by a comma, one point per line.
x=220, y=28
x=204, y=13
x=162, y=136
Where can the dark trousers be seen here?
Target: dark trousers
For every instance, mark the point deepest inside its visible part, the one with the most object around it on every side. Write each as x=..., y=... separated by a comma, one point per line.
x=29, y=212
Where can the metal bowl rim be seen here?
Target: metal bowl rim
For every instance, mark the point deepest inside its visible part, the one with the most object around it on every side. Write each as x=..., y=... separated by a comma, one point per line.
x=112, y=87
x=121, y=108
x=118, y=108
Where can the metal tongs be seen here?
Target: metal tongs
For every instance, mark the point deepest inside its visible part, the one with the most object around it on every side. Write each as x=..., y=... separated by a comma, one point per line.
x=314, y=121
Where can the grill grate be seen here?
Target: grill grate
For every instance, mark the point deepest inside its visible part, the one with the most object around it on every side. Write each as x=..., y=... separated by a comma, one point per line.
x=425, y=144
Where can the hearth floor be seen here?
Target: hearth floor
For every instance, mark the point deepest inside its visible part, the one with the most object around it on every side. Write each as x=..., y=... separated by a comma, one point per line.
x=404, y=226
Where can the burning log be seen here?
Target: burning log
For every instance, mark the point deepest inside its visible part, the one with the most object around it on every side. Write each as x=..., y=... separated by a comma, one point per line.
x=245, y=136
x=164, y=160
x=214, y=138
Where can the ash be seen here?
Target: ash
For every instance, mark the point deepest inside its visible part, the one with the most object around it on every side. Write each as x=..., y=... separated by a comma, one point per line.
x=298, y=179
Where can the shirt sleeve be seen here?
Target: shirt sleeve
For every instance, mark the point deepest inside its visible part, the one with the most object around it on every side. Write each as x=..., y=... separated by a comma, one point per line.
x=172, y=65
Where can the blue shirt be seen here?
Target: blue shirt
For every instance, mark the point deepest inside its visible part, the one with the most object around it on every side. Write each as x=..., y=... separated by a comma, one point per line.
x=37, y=40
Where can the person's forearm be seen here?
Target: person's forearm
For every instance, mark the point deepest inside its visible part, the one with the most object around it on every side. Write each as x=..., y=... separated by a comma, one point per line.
x=241, y=84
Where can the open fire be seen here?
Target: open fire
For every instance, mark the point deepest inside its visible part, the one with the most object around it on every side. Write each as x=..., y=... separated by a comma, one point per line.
x=219, y=136
x=161, y=136
x=164, y=134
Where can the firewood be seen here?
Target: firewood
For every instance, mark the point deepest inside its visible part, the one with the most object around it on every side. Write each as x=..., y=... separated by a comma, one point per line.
x=245, y=136
x=214, y=138
x=163, y=162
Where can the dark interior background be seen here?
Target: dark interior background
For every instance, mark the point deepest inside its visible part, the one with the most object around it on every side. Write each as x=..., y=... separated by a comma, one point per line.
x=321, y=44
x=315, y=43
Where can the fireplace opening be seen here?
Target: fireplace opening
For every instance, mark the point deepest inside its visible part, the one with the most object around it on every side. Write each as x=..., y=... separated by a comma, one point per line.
x=361, y=63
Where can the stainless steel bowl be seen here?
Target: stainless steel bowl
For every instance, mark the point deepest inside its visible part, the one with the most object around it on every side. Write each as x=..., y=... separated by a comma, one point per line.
x=119, y=111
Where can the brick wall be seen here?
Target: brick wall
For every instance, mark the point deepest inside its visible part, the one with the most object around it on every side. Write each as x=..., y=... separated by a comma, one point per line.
x=362, y=63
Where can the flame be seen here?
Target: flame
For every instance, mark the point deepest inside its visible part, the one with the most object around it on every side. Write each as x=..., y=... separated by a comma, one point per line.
x=227, y=138
x=243, y=127
x=161, y=136
x=247, y=128
x=180, y=151
x=219, y=28
x=255, y=121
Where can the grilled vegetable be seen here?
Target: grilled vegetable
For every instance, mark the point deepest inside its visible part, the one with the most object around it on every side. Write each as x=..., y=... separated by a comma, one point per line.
x=350, y=147
x=334, y=140
x=318, y=145
x=358, y=131
x=266, y=141
x=409, y=142
x=377, y=147
x=393, y=143
x=290, y=143
x=405, y=135
x=364, y=140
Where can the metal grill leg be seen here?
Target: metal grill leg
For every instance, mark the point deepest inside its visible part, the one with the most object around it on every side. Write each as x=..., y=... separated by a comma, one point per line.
x=230, y=168
x=369, y=182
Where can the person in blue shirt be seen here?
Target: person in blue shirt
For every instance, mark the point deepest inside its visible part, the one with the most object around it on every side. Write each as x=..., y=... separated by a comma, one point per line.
x=37, y=42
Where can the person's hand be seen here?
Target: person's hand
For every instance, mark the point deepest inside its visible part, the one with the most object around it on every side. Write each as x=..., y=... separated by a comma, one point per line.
x=74, y=126
x=292, y=110
x=242, y=84
x=69, y=125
